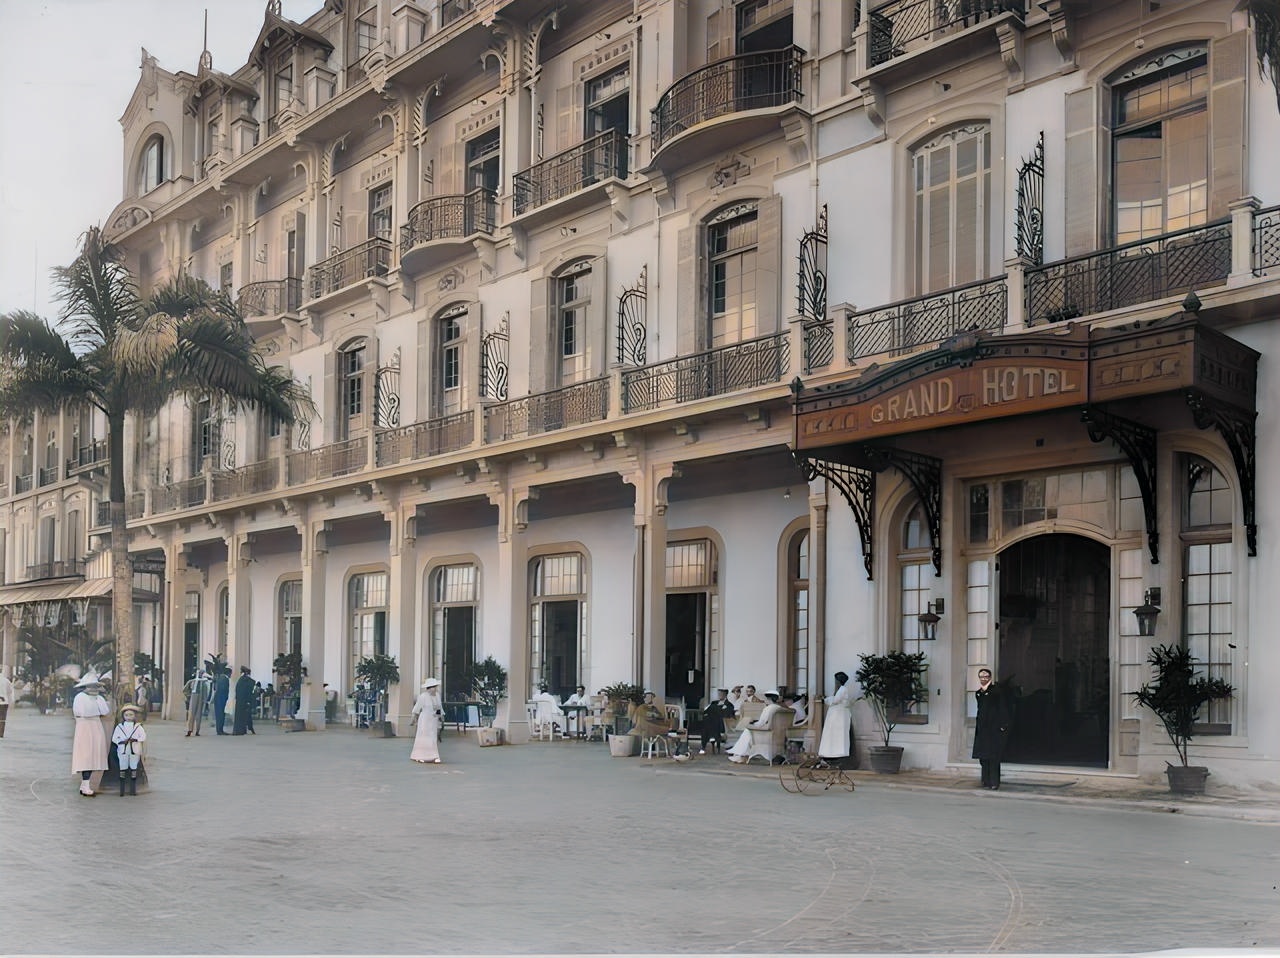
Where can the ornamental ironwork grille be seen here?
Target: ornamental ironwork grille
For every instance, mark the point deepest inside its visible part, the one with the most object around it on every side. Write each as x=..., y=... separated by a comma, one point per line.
x=494, y=362
x=632, y=332
x=1030, y=215
x=386, y=408
x=811, y=295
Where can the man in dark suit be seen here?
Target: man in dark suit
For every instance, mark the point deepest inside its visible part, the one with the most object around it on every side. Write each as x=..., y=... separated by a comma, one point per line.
x=221, y=692
x=713, y=718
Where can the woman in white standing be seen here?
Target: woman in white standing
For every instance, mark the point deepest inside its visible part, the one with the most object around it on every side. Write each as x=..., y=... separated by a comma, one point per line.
x=426, y=744
x=89, y=747
x=836, y=743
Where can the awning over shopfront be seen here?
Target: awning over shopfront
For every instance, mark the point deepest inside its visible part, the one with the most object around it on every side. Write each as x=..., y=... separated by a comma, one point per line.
x=53, y=591
x=841, y=429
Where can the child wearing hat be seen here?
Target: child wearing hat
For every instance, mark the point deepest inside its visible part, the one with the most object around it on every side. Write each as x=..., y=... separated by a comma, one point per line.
x=128, y=737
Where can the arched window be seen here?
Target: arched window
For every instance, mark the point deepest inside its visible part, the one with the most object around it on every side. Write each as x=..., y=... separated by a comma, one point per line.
x=952, y=187
x=915, y=590
x=732, y=238
x=454, y=593
x=352, y=373
x=369, y=608
x=152, y=170
x=569, y=332
x=557, y=623
x=798, y=612
x=448, y=365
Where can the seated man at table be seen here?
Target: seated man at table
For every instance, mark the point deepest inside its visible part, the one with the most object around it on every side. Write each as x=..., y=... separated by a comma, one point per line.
x=548, y=708
x=649, y=718
x=577, y=718
x=713, y=718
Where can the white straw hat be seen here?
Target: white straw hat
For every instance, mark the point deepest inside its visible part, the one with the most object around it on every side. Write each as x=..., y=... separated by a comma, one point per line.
x=430, y=683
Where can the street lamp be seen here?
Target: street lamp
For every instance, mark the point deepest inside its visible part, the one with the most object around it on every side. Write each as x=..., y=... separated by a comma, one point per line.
x=1148, y=611
x=929, y=619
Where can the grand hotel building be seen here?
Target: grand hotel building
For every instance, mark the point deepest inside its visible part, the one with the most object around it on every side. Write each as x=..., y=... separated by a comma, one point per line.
x=695, y=342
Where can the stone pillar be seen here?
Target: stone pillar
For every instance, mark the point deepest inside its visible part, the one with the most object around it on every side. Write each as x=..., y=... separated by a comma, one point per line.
x=817, y=606
x=651, y=585
x=1242, y=211
x=175, y=628
x=315, y=551
x=403, y=640
x=512, y=615
x=239, y=587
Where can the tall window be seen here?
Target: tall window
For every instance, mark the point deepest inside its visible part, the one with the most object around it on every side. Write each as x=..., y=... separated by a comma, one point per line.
x=453, y=628
x=483, y=156
x=573, y=296
x=226, y=275
x=366, y=34
x=915, y=585
x=557, y=623
x=952, y=180
x=290, y=639
x=380, y=211
x=368, y=597
x=152, y=172
x=1161, y=145
x=448, y=397
x=1207, y=612
x=207, y=426
x=351, y=389
x=283, y=88
x=609, y=102
x=798, y=612
x=731, y=252
x=224, y=619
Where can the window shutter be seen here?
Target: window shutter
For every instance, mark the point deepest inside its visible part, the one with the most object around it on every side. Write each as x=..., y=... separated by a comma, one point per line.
x=565, y=136
x=691, y=296
x=1083, y=173
x=715, y=45
x=598, y=324
x=470, y=356
x=445, y=179
x=1229, y=70
x=330, y=400
x=768, y=259
x=541, y=333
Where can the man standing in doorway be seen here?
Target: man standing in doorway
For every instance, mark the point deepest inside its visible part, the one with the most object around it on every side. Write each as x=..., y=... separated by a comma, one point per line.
x=991, y=730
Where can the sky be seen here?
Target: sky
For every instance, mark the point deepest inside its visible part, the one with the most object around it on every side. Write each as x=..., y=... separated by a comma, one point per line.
x=67, y=71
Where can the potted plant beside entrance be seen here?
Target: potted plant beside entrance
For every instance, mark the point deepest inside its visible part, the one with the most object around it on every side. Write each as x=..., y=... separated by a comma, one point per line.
x=621, y=696
x=289, y=671
x=1176, y=696
x=893, y=684
x=377, y=672
x=489, y=686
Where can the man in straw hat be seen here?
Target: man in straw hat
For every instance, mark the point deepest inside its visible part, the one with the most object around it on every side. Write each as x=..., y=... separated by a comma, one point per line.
x=128, y=737
x=89, y=747
x=198, y=691
x=426, y=743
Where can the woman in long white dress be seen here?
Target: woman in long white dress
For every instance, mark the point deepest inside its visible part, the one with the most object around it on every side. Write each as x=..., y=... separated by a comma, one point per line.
x=835, y=726
x=426, y=743
x=89, y=746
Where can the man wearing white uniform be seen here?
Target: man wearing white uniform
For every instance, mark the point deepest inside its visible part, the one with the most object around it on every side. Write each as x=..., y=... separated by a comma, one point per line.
x=548, y=708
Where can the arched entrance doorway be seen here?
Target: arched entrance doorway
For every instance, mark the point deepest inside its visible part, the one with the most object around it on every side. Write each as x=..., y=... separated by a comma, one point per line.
x=1055, y=601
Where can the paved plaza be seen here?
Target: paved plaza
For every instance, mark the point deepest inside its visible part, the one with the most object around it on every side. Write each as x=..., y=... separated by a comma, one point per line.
x=335, y=843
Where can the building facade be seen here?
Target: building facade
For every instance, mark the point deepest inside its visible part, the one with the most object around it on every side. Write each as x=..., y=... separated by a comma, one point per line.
x=704, y=342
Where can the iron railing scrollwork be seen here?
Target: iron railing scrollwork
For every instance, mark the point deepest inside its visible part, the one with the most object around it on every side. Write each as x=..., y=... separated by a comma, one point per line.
x=901, y=26
x=633, y=334
x=903, y=326
x=1266, y=240
x=256, y=477
x=494, y=362
x=271, y=297
x=449, y=217
x=811, y=295
x=435, y=437
x=86, y=457
x=599, y=158
x=755, y=362
x=1030, y=214
x=336, y=459
x=572, y=405
x=386, y=394
x=750, y=81
x=1141, y=272
x=368, y=259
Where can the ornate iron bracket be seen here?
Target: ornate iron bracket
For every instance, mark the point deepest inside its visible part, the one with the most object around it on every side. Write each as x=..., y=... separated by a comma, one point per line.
x=858, y=486
x=925, y=475
x=1238, y=429
x=1138, y=443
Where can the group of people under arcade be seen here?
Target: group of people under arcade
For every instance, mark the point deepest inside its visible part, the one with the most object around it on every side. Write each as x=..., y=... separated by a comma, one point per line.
x=203, y=690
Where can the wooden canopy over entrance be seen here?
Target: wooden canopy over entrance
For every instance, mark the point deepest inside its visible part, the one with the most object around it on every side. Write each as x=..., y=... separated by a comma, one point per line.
x=841, y=429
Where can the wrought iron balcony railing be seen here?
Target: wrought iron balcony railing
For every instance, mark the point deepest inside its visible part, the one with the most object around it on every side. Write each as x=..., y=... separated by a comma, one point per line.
x=593, y=160
x=273, y=297
x=184, y=494
x=370, y=258
x=257, y=477
x=86, y=457
x=545, y=412
x=901, y=26
x=1168, y=265
x=819, y=344
x=905, y=325
x=47, y=475
x=1266, y=239
x=336, y=459
x=751, y=81
x=424, y=439
x=57, y=569
x=755, y=362
x=449, y=217
x=22, y=483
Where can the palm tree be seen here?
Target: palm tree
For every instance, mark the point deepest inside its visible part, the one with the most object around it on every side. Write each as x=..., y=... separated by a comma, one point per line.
x=128, y=355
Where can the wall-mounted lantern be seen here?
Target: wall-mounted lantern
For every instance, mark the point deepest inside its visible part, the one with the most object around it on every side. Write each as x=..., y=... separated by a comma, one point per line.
x=1148, y=611
x=929, y=619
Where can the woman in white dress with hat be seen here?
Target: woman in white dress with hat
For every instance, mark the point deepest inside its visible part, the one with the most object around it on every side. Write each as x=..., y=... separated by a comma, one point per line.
x=89, y=747
x=426, y=743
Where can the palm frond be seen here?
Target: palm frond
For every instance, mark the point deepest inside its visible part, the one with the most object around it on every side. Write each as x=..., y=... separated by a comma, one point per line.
x=1266, y=37
x=38, y=370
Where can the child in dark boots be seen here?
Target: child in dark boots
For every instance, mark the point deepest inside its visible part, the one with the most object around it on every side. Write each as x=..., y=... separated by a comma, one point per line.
x=128, y=737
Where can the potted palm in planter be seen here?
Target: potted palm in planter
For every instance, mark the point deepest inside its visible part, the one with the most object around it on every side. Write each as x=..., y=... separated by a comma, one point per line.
x=289, y=671
x=489, y=686
x=1176, y=696
x=893, y=684
x=377, y=672
x=621, y=696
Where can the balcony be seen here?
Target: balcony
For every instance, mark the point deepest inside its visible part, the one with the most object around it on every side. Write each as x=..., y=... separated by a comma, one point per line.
x=746, y=92
x=1170, y=265
x=903, y=27
x=756, y=362
x=274, y=297
x=336, y=459
x=442, y=227
x=592, y=161
x=1266, y=240
x=422, y=440
x=86, y=458
x=903, y=326
x=23, y=484
x=57, y=569
x=370, y=259
x=185, y=494
x=452, y=11
x=47, y=475
x=561, y=408
x=255, y=478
